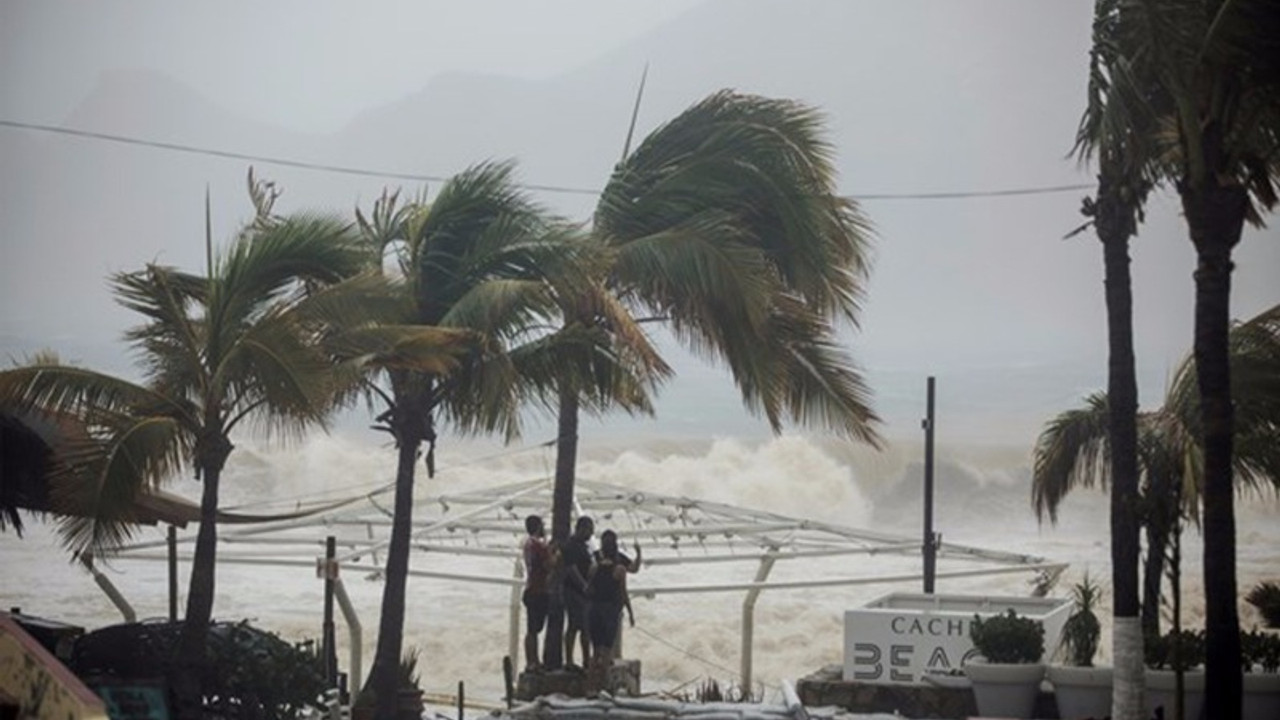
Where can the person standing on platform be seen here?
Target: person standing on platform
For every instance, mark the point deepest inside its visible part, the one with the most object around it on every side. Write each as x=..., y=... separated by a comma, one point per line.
x=577, y=568
x=536, y=596
x=608, y=584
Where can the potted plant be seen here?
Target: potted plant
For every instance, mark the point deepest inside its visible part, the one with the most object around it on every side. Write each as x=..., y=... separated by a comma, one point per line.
x=1180, y=651
x=1260, y=653
x=1082, y=690
x=1006, y=679
x=409, y=705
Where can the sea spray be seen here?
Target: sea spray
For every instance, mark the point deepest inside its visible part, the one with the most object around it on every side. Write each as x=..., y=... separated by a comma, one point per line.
x=461, y=628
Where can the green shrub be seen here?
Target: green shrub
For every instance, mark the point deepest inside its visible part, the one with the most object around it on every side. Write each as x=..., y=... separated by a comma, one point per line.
x=1260, y=651
x=249, y=673
x=1008, y=638
x=1159, y=652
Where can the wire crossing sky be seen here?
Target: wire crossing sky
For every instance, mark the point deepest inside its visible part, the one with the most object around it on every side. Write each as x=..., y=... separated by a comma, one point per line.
x=323, y=167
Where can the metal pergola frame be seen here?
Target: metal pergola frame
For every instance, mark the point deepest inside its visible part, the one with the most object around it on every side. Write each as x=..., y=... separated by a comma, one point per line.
x=489, y=523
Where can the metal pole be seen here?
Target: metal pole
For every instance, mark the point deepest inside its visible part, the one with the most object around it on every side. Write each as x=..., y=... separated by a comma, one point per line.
x=930, y=546
x=330, y=649
x=173, y=573
x=748, y=617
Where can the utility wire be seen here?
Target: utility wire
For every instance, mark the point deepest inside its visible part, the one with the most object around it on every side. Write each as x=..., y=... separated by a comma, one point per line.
x=419, y=177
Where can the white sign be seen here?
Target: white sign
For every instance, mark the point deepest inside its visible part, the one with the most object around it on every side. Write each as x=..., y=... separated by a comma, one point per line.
x=900, y=638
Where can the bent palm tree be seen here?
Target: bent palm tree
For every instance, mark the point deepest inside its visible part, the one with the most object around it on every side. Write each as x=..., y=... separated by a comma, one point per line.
x=1218, y=62
x=725, y=223
x=1074, y=449
x=475, y=263
x=216, y=351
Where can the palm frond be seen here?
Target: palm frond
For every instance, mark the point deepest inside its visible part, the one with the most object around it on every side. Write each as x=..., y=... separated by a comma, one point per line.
x=1072, y=451
x=100, y=478
x=761, y=163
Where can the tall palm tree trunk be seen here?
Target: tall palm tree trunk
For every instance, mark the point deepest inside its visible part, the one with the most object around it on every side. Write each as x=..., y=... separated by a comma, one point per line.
x=566, y=462
x=384, y=676
x=1215, y=217
x=195, y=628
x=1158, y=527
x=561, y=508
x=1114, y=230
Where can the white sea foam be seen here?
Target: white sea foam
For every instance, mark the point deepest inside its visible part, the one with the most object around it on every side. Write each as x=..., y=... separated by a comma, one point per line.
x=983, y=500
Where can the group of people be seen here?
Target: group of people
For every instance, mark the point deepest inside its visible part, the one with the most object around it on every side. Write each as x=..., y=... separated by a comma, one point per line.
x=592, y=585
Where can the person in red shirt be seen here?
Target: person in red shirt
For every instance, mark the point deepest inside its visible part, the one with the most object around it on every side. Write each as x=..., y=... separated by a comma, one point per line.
x=536, y=596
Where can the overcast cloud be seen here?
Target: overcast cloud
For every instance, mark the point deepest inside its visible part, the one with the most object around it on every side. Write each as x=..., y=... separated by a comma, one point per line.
x=920, y=96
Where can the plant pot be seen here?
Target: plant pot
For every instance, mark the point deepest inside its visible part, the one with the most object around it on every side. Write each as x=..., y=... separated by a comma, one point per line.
x=1261, y=696
x=1161, y=689
x=1005, y=690
x=409, y=704
x=1081, y=692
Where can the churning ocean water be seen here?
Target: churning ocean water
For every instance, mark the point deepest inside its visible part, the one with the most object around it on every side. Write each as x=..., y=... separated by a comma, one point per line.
x=701, y=447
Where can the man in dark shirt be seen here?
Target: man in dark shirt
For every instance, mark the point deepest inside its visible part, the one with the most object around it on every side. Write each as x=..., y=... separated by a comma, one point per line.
x=608, y=585
x=577, y=565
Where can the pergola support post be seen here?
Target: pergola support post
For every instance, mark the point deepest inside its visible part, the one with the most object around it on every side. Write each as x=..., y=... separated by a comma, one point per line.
x=354, y=633
x=749, y=616
x=513, y=629
x=109, y=588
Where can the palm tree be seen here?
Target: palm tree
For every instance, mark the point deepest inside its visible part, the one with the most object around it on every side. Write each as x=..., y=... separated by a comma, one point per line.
x=1074, y=450
x=476, y=263
x=724, y=223
x=1115, y=128
x=1218, y=62
x=217, y=351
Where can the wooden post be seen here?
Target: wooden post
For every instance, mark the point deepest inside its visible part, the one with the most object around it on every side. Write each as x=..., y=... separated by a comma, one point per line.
x=173, y=573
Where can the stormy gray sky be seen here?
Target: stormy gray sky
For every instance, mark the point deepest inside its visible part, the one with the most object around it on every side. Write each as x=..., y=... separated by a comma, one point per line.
x=920, y=96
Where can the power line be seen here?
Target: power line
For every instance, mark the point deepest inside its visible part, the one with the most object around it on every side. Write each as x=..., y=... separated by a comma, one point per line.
x=418, y=177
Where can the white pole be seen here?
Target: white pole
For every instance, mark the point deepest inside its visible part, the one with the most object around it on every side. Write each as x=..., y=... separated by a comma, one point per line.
x=513, y=644
x=112, y=593
x=354, y=635
x=748, y=617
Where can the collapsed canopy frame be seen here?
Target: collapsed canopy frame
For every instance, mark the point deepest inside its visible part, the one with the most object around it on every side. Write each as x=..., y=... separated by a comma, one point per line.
x=672, y=530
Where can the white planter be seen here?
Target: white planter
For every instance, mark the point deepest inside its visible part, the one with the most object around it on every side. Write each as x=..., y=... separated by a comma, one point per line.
x=900, y=638
x=1007, y=691
x=1162, y=687
x=1261, y=696
x=1081, y=692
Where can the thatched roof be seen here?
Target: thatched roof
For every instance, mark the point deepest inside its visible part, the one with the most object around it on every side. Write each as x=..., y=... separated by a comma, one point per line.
x=28, y=443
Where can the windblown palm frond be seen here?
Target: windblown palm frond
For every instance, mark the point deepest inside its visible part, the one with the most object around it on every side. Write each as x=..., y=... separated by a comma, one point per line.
x=113, y=440
x=1071, y=452
x=762, y=164
x=725, y=222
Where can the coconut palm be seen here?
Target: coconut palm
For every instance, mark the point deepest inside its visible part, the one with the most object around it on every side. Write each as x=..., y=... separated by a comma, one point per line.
x=218, y=351
x=1074, y=449
x=1218, y=62
x=477, y=263
x=1115, y=129
x=724, y=224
